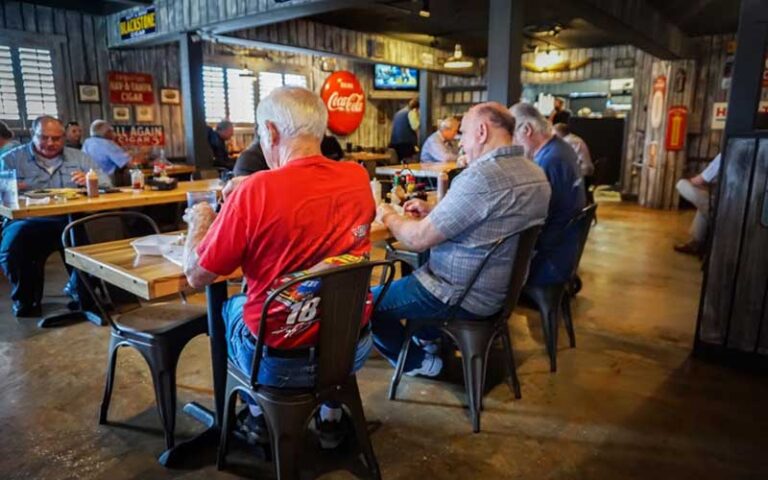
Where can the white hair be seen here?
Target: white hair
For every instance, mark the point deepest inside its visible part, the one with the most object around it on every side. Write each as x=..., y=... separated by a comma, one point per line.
x=448, y=123
x=294, y=111
x=99, y=128
x=525, y=113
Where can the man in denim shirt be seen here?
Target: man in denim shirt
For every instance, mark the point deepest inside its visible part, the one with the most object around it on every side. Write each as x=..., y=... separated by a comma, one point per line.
x=500, y=193
x=26, y=243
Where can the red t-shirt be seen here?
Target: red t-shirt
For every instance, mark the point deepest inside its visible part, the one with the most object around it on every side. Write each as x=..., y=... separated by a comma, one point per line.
x=286, y=220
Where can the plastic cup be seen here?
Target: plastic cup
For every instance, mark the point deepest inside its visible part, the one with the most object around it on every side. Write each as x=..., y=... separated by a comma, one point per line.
x=193, y=198
x=9, y=189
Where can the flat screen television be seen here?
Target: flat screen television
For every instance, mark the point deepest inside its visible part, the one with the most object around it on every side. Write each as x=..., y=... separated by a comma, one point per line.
x=390, y=77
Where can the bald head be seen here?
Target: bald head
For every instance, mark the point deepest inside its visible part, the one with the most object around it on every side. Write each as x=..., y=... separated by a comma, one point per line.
x=486, y=127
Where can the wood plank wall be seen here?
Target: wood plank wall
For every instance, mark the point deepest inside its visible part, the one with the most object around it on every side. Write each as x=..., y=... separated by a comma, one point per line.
x=85, y=58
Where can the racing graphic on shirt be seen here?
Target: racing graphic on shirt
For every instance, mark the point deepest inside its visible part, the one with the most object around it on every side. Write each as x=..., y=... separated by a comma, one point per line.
x=297, y=309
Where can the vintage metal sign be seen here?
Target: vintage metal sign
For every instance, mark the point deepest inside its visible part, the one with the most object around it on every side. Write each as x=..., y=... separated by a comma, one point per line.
x=138, y=23
x=139, y=135
x=345, y=99
x=131, y=88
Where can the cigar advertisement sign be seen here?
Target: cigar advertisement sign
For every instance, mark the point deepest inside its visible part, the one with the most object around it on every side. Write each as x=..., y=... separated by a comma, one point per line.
x=138, y=23
x=345, y=99
x=131, y=88
x=139, y=135
x=677, y=127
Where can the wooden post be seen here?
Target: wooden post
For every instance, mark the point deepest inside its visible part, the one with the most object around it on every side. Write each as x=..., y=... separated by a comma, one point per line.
x=425, y=105
x=505, y=49
x=199, y=153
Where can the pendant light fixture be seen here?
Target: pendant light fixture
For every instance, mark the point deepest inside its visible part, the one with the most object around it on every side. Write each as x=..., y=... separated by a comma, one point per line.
x=457, y=61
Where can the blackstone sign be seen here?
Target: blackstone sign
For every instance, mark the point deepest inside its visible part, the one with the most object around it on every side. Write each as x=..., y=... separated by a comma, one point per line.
x=138, y=23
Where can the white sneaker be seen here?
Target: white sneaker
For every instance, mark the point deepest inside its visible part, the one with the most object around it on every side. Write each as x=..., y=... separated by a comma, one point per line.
x=429, y=346
x=430, y=367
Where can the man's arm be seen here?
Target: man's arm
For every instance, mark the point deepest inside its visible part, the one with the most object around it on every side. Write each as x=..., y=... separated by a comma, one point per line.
x=417, y=234
x=199, y=219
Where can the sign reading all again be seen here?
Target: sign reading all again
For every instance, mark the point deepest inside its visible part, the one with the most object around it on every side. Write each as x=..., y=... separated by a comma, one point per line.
x=138, y=23
x=131, y=88
x=139, y=135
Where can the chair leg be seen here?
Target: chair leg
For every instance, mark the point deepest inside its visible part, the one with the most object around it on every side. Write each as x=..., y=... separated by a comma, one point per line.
x=162, y=365
x=568, y=319
x=397, y=375
x=506, y=339
x=355, y=406
x=287, y=428
x=549, y=329
x=226, y=428
x=473, y=380
x=114, y=345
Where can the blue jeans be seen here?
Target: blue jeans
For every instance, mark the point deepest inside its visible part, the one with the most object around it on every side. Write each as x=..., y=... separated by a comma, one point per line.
x=274, y=371
x=407, y=298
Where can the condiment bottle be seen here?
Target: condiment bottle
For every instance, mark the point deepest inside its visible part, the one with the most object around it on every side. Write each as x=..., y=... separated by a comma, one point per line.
x=92, y=184
x=137, y=180
x=442, y=185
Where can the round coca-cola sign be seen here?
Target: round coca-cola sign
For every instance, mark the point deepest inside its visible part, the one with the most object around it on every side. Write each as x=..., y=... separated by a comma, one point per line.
x=345, y=100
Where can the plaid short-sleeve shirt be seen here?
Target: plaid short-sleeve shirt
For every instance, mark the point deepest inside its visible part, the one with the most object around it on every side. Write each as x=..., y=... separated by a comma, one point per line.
x=499, y=194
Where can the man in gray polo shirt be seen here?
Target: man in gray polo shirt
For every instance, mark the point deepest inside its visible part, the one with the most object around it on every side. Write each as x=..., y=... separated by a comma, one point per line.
x=499, y=193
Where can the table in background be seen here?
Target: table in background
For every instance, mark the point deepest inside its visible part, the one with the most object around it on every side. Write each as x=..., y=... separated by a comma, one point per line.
x=367, y=157
x=153, y=277
x=424, y=170
x=173, y=170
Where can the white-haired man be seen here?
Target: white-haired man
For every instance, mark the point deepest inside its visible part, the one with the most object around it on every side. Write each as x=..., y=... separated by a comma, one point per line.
x=102, y=148
x=440, y=146
x=557, y=247
x=304, y=209
x=498, y=194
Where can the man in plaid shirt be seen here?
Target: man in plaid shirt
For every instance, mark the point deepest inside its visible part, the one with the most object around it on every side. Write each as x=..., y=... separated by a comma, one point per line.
x=498, y=194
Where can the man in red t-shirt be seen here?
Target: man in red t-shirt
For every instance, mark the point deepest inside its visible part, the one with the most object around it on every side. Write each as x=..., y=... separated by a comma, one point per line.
x=276, y=222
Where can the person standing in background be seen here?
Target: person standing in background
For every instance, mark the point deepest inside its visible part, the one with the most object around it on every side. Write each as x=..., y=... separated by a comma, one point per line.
x=560, y=114
x=697, y=191
x=582, y=155
x=405, y=125
x=73, y=134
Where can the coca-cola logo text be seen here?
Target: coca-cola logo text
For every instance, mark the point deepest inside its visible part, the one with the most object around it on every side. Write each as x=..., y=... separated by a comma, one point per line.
x=345, y=100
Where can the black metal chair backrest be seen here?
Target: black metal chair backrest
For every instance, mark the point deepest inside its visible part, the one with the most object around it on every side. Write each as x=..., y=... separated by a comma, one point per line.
x=343, y=293
x=583, y=222
x=105, y=227
x=527, y=239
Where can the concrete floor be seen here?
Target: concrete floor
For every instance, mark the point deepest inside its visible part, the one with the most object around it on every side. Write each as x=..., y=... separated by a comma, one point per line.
x=627, y=403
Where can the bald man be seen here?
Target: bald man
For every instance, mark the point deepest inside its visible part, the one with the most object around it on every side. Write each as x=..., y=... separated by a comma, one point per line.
x=441, y=145
x=499, y=193
x=26, y=243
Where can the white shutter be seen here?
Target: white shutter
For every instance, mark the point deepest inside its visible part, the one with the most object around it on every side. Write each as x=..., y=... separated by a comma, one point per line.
x=215, y=101
x=269, y=81
x=37, y=78
x=293, y=80
x=9, y=100
x=242, y=108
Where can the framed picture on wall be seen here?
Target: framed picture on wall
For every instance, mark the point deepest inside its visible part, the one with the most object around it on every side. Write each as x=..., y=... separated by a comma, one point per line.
x=170, y=96
x=121, y=114
x=145, y=113
x=88, y=93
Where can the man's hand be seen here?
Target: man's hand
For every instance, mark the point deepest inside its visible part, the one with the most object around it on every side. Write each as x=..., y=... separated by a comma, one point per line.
x=78, y=178
x=383, y=210
x=199, y=218
x=417, y=207
x=232, y=185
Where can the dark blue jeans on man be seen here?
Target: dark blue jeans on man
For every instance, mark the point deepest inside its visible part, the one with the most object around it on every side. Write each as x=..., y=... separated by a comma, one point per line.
x=274, y=371
x=26, y=245
x=407, y=298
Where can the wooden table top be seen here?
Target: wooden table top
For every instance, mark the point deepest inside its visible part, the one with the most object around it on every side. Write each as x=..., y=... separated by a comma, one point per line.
x=174, y=169
x=148, y=277
x=366, y=157
x=109, y=201
x=430, y=170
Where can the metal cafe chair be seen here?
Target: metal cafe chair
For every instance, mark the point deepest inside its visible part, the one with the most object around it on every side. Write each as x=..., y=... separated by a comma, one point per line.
x=158, y=331
x=343, y=293
x=474, y=338
x=555, y=299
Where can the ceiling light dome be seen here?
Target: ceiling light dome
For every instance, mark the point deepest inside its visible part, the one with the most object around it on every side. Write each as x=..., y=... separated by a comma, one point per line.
x=457, y=61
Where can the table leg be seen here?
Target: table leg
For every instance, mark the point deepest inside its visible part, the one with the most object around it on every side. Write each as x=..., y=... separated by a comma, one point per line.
x=190, y=450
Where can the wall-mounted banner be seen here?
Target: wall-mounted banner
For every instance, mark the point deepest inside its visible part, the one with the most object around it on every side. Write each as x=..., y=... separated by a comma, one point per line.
x=657, y=100
x=133, y=88
x=138, y=23
x=139, y=135
x=345, y=100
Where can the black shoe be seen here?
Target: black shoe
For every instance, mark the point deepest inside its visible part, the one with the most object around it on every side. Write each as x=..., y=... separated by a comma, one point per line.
x=331, y=434
x=252, y=430
x=27, y=310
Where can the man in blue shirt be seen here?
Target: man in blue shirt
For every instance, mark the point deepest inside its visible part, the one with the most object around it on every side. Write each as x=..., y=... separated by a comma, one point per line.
x=557, y=247
x=26, y=243
x=101, y=147
x=217, y=140
x=405, y=124
x=441, y=145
